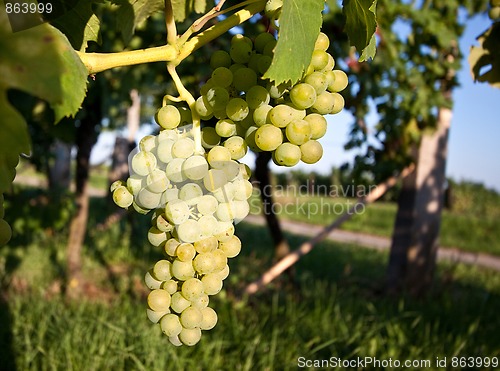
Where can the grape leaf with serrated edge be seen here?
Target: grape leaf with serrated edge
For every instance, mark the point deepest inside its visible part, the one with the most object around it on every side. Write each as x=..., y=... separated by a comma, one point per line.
x=300, y=22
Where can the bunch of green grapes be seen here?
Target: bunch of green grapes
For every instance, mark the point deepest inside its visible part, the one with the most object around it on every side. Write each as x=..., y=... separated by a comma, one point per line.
x=196, y=196
x=494, y=12
x=250, y=111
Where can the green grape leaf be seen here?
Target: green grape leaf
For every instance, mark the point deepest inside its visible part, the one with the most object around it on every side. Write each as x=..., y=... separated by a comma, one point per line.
x=361, y=24
x=300, y=22
x=484, y=60
x=80, y=24
x=133, y=12
x=39, y=61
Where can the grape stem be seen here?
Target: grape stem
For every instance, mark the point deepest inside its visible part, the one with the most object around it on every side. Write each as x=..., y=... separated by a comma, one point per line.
x=98, y=62
x=170, y=24
x=186, y=96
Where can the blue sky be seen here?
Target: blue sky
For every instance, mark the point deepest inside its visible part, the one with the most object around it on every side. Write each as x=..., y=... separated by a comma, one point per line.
x=473, y=149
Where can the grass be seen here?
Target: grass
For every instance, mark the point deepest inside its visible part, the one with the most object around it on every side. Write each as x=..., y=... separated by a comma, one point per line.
x=478, y=232
x=334, y=309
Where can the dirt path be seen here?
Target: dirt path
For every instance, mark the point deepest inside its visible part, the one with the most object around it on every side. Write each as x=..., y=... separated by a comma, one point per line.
x=380, y=243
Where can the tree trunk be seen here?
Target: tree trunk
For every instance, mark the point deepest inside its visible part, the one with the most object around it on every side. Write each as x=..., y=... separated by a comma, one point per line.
x=281, y=247
x=85, y=139
x=415, y=239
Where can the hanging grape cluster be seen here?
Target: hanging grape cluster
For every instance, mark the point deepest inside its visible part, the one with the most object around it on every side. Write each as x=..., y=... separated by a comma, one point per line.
x=196, y=199
x=250, y=111
x=192, y=181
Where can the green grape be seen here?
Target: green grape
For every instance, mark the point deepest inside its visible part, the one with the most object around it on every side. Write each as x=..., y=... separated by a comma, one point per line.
x=190, y=336
x=207, y=244
x=244, y=78
x=239, y=38
x=319, y=59
x=143, y=163
x=164, y=151
x=175, y=341
x=303, y=95
x=156, y=237
x=268, y=137
x=217, y=97
x=324, y=103
x=171, y=194
x=179, y=302
x=190, y=192
x=168, y=117
x=224, y=231
x=225, y=212
x=189, y=231
x=157, y=181
x=494, y=3
x=224, y=273
x=171, y=246
x=339, y=82
x=287, y=154
x=203, y=263
x=112, y=187
x=171, y=325
x=225, y=128
x=155, y=317
x=231, y=168
x=209, y=318
x=192, y=288
x=208, y=224
x=237, y=109
x=224, y=193
x=170, y=286
x=250, y=139
x=237, y=146
x=329, y=66
x=147, y=199
x=191, y=318
x=243, y=189
x=261, y=40
x=185, y=251
x=183, y=148
x=200, y=302
x=253, y=63
x=318, y=125
x=222, y=76
x=218, y=154
x=338, y=104
x=211, y=283
x=209, y=137
x=261, y=115
x=151, y=282
x=240, y=52
x=195, y=167
x=122, y=197
x=281, y=115
x=311, y=151
x=161, y=270
x=186, y=116
x=162, y=223
x=318, y=81
x=232, y=247
x=269, y=48
x=182, y=270
x=203, y=109
x=177, y=211
x=159, y=300
x=207, y=204
x=235, y=67
x=220, y=58
x=147, y=143
x=322, y=42
x=174, y=170
x=214, y=179
x=257, y=96
x=218, y=256
x=298, y=132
